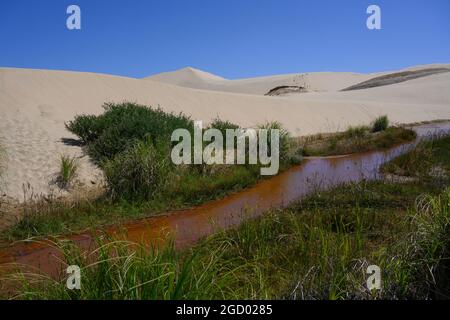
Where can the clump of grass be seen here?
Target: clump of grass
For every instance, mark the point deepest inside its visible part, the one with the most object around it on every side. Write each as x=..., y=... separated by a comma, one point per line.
x=355, y=139
x=138, y=172
x=412, y=164
x=126, y=271
x=421, y=269
x=380, y=124
x=356, y=132
x=420, y=161
x=68, y=168
x=284, y=138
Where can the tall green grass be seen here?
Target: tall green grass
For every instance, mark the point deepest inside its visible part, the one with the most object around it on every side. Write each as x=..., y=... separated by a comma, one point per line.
x=68, y=168
x=305, y=252
x=423, y=160
x=355, y=139
x=284, y=138
x=122, y=270
x=138, y=172
x=356, y=132
x=380, y=124
x=426, y=255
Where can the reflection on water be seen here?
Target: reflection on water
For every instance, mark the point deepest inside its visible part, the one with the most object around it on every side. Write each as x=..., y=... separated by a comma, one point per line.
x=188, y=226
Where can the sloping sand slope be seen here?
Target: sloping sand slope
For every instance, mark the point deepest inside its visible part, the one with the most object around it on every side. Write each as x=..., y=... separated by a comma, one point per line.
x=396, y=77
x=35, y=104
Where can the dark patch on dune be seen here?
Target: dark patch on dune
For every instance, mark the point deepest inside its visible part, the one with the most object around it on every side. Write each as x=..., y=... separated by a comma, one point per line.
x=397, y=77
x=280, y=90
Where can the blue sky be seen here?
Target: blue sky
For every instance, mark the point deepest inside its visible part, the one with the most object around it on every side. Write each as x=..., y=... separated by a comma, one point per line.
x=231, y=38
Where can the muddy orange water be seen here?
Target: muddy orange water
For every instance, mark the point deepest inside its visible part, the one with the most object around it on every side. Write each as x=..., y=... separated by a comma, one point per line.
x=188, y=226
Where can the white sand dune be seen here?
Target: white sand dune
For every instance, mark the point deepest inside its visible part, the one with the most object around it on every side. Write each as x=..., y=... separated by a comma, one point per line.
x=34, y=104
x=319, y=81
x=316, y=82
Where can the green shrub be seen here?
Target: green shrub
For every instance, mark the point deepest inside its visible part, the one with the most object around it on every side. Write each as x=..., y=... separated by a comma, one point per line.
x=138, y=172
x=380, y=124
x=86, y=127
x=223, y=125
x=121, y=125
x=111, y=142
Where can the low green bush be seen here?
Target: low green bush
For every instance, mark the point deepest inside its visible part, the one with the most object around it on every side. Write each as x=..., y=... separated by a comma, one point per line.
x=121, y=125
x=380, y=124
x=86, y=127
x=222, y=125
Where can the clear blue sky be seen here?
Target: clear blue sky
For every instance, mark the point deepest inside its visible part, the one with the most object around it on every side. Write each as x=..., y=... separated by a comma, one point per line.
x=231, y=38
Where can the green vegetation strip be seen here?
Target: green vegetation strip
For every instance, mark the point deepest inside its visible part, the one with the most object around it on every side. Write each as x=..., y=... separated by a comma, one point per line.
x=131, y=143
x=316, y=249
x=357, y=139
